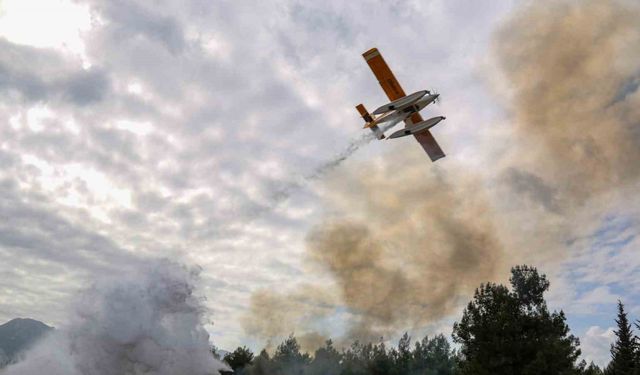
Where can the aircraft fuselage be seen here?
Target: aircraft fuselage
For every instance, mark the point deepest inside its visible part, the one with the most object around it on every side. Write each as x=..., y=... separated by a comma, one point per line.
x=401, y=114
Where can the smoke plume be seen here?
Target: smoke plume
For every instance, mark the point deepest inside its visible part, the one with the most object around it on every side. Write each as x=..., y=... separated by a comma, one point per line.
x=274, y=315
x=572, y=69
x=149, y=323
x=405, y=241
x=402, y=246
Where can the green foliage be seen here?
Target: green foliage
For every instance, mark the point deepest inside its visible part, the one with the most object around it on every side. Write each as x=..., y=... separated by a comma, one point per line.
x=355, y=359
x=624, y=350
x=402, y=357
x=239, y=359
x=262, y=365
x=592, y=369
x=528, y=286
x=502, y=331
x=288, y=358
x=326, y=361
x=433, y=357
x=512, y=332
x=428, y=357
x=381, y=363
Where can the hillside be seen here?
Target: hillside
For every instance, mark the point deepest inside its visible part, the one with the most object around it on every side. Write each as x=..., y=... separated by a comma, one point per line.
x=19, y=334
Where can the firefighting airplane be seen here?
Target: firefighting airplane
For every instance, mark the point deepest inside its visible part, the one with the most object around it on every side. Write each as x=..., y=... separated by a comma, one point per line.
x=402, y=108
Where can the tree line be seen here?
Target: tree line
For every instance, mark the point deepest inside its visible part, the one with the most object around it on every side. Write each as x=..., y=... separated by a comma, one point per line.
x=503, y=331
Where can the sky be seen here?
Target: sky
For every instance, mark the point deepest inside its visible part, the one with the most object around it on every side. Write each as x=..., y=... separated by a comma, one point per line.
x=214, y=133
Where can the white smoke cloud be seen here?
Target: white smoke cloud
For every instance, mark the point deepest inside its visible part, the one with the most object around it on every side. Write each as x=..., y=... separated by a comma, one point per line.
x=148, y=323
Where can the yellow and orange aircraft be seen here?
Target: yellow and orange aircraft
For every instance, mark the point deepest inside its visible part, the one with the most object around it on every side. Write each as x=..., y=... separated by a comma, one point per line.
x=401, y=108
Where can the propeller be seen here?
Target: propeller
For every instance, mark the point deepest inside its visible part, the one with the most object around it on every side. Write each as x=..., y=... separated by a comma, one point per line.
x=437, y=99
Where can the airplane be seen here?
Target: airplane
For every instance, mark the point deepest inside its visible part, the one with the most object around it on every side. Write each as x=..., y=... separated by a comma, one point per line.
x=401, y=108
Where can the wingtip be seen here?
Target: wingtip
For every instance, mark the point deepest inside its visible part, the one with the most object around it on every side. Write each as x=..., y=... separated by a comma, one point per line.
x=437, y=157
x=370, y=53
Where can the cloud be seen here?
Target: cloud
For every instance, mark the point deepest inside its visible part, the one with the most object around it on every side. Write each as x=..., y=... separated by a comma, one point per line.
x=165, y=146
x=131, y=19
x=596, y=343
x=33, y=75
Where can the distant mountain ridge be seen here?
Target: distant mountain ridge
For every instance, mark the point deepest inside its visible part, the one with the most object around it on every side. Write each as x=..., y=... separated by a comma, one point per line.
x=18, y=335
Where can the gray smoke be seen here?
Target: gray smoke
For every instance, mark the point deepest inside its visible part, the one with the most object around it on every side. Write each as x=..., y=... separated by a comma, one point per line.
x=148, y=323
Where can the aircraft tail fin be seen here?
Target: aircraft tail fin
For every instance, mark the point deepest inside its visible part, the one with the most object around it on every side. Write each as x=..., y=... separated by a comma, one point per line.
x=368, y=119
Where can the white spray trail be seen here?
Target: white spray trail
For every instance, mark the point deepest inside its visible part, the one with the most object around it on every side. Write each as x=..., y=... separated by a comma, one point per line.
x=351, y=148
x=288, y=188
x=149, y=323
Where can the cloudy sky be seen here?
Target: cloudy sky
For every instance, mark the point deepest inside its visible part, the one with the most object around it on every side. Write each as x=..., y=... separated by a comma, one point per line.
x=212, y=133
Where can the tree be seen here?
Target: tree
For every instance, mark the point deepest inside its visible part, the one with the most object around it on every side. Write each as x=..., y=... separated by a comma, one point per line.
x=326, y=361
x=355, y=359
x=380, y=362
x=592, y=369
x=623, y=350
x=433, y=357
x=403, y=357
x=288, y=359
x=262, y=365
x=512, y=332
x=239, y=359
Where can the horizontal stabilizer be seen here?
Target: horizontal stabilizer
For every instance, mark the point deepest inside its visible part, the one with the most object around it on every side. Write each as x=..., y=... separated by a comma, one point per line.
x=369, y=121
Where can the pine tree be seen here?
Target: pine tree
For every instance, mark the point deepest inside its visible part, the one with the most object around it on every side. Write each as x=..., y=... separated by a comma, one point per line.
x=381, y=363
x=262, y=365
x=288, y=359
x=239, y=359
x=513, y=332
x=624, y=349
x=637, y=351
x=355, y=359
x=326, y=361
x=592, y=369
x=402, y=357
x=433, y=357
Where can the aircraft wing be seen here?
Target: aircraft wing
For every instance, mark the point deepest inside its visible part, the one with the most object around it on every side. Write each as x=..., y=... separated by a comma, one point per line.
x=394, y=91
x=384, y=75
x=425, y=138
